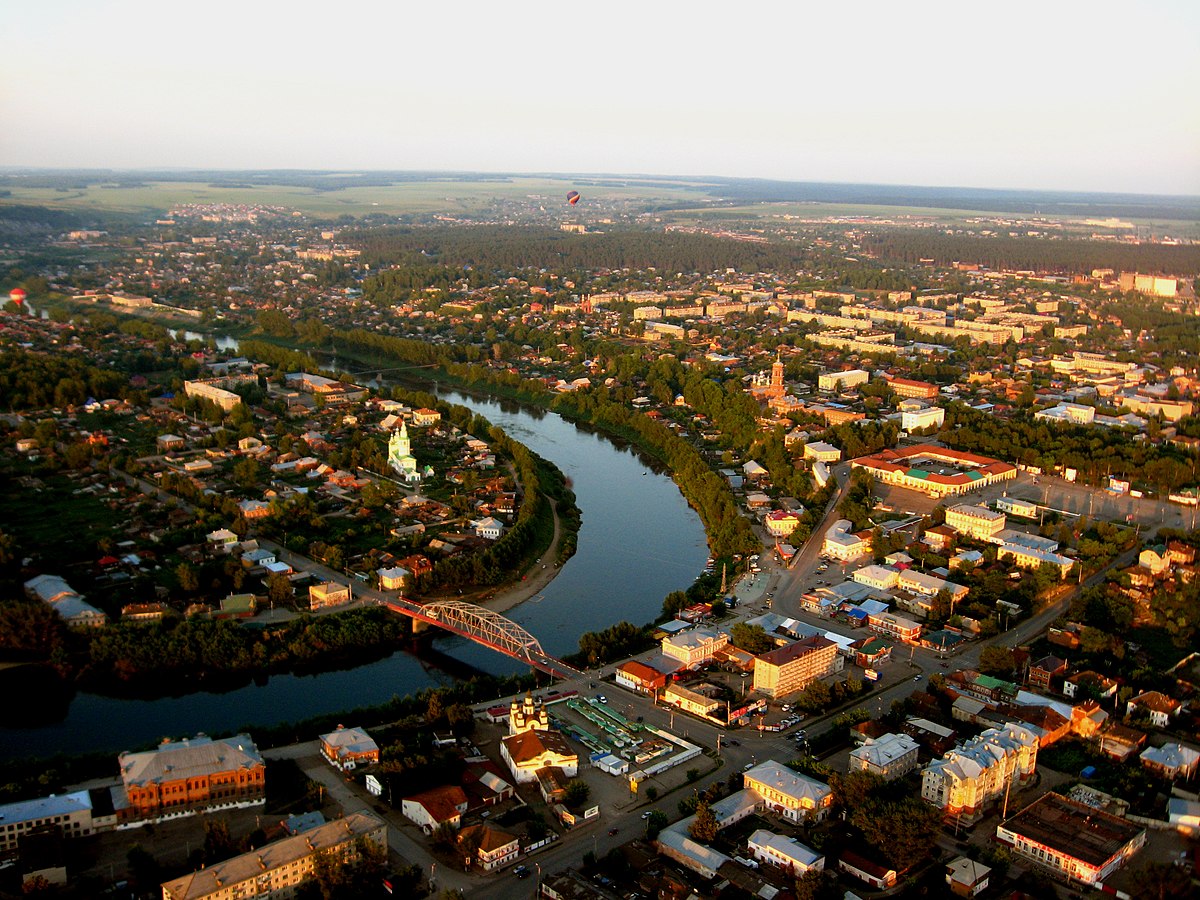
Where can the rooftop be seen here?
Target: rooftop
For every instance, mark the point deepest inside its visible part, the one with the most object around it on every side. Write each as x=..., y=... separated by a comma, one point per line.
x=1073, y=829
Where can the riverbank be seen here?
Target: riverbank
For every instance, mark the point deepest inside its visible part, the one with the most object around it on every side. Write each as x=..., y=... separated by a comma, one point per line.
x=538, y=577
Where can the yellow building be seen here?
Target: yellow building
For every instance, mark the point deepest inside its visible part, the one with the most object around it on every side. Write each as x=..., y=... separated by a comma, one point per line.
x=275, y=869
x=694, y=648
x=963, y=781
x=977, y=522
x=789, y=669
x=794, y=796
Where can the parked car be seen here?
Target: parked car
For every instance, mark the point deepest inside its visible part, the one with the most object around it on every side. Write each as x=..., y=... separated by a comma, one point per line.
x=612, y=831
x=521, y=871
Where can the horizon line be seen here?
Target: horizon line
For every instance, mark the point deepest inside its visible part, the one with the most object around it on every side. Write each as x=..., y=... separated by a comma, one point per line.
x=10, y=169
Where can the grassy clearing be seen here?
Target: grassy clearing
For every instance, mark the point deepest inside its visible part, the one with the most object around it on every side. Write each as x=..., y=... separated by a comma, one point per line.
x=40, y=518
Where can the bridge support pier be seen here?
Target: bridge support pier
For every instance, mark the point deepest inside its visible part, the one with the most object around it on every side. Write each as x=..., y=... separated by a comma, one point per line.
x=419, y=626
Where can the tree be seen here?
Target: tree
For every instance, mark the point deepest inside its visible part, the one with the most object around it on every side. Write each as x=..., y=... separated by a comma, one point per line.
x=188, y=579
x=815, y=697
x=704, y=827
x=279, y=589
x=246, y=473
x=1163, y=881
x=674, y=603
x=751, y=638
x=576, y=793
x=818, y=884
x=997, y=661
x=655, y=822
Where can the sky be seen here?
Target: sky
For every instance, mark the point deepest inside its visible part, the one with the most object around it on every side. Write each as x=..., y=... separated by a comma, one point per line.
x=1056, y=94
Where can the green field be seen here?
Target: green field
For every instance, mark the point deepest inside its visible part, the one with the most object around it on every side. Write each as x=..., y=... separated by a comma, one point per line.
x=448, y=197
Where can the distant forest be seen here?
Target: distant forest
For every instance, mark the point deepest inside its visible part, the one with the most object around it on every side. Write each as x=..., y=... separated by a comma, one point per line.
x=510, y=249
x=1065, y=257
x=1058, y=203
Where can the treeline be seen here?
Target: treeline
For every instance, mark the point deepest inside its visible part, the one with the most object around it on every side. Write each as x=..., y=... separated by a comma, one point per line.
x=1064, y=257
x=512, y=248
x=37, y=380
x=142, y=657
x=1094, y=452
x=283, y=358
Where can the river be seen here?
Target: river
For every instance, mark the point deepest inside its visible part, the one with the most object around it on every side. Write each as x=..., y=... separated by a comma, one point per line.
x=639, y=541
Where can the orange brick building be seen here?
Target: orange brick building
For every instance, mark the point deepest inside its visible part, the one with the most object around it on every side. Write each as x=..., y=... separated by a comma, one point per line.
x=192, y=774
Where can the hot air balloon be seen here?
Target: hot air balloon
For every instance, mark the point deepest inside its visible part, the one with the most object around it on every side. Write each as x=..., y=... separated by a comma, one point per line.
x=17, y=296
x=573, y=198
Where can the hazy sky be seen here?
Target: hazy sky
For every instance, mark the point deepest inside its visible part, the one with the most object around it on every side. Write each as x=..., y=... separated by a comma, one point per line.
x=1052, y=94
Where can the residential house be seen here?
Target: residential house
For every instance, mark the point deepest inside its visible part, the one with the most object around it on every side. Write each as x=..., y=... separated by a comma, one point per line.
x=967, y=877
x=939, y=538
x=843, y=544
x=965, y=779
x=883, y=578
x=894, y=626
x=1172, y=760
x=444, y=805
x=780, y=523
x=488, y=528
x=488, y=847
x=1158, y=706
x=322, y=596
x=640, y=677
x=785, y=852
x=1090, y=684
x=878, y=876
x=689, y=701
x=1121, y=742
x=1046, y=669
x=393, y=578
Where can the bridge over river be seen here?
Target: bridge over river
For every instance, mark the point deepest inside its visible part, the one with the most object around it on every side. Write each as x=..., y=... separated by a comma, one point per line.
x=484, y=627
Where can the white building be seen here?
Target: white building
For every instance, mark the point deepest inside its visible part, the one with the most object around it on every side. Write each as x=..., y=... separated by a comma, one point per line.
x=1068, y=413
x=882, y=577
x=822, y=451
x=839, y=381
x=785, y=852
x=930, y=417
x=794, y=796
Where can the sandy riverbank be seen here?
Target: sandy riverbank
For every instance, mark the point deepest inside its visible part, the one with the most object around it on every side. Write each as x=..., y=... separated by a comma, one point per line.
x=537, y=577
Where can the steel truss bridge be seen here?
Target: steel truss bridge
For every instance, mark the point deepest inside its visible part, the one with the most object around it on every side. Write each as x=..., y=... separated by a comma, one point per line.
x=487, y=628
